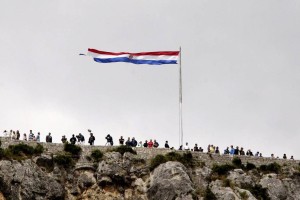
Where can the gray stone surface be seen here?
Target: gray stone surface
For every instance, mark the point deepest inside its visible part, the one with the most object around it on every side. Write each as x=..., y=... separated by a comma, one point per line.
x=128, y=177
x=26, y=180
x=276, y=188
x=240, y=178
x=169, y=181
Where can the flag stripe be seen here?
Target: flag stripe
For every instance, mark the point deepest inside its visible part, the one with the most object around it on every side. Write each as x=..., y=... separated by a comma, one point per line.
x=155, y=53
x=150, y=58
x=135, y=61
x=147, y=57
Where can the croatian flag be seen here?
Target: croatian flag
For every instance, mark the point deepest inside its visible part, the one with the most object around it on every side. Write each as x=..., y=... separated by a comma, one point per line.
x=150, y=58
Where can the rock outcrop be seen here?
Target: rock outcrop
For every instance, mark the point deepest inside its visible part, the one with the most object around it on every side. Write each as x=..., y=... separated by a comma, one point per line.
x=128, y=177
x=170, y=181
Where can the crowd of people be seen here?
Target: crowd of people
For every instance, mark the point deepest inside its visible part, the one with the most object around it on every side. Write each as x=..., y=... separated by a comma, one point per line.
x=132, y=142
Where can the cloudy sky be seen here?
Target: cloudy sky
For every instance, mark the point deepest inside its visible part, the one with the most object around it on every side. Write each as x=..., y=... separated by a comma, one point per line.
x=240, y=67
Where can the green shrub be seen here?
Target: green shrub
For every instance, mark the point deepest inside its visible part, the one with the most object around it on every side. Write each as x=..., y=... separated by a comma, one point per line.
x=209, y=195
x=72, y=149
x=263, y=168
x=38, y=149
x=173, y=156
x=259, y=192
x=123, y=148
x=21, y=149
x=222, y=169
x=96, y=155
x=237, y=162
x=273, y=167
x=156, y=161
x=64, y=160
x=250, y=166
x=187, y=159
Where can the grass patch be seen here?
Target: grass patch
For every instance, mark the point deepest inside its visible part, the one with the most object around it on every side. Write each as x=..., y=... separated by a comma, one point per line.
x=157, y=160
x=270, y=168
x=123, y=149
x=20, y=151
x=39, y=149
x=222, y=169
x=96, y=155
x=72, y=149
x=250, y=166
x=186, y=159
x=237, y=162
x=64, y=160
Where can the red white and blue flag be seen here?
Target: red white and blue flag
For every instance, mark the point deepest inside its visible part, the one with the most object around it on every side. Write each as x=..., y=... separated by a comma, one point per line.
x=150, y=58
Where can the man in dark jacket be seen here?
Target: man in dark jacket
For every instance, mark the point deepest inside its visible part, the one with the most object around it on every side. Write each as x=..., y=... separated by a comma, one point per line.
x=133, y=142
x=91, y=139
x=73, y=139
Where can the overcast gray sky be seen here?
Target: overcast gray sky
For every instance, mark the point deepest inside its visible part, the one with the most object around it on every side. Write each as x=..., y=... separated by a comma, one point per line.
x=240, y=63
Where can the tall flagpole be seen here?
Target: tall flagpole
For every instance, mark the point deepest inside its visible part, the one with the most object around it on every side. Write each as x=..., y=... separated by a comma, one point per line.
x=180, y=102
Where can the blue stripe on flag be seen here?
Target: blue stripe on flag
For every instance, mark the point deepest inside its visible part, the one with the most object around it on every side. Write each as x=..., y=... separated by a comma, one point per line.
x=126, y=59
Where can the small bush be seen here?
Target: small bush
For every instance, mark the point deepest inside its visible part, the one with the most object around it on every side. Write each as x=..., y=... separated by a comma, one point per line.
x=209, y=195
x=173, y=156
x=38, y=149
x=263, y=168
x=222, y=169
x=250, y=166
x=156, y=161
x=96, y=155
x=64, y=160
x=187, y=159
x=237, y=162
x=21, y=149
x=259, y=192
x=273, y=167
x=123, y=148
x=72, y=149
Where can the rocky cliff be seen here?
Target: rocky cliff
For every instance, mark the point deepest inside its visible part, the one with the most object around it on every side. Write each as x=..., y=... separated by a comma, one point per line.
x=149, y=174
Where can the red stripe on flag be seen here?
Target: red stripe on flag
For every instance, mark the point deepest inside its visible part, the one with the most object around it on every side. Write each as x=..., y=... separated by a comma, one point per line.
x=155, y=53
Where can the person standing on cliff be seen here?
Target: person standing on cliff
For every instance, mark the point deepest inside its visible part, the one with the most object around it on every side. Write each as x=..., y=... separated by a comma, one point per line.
x=63, y=139
x=150, y=144
x=167, y=145
x=25, y=137
x=73, y=139
x=38, y=137
x=145, y=144
x=121, y=140
x=49, y=138
x=18, y=135
x=155, y=144
x=91, y=139
x=186, y=147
